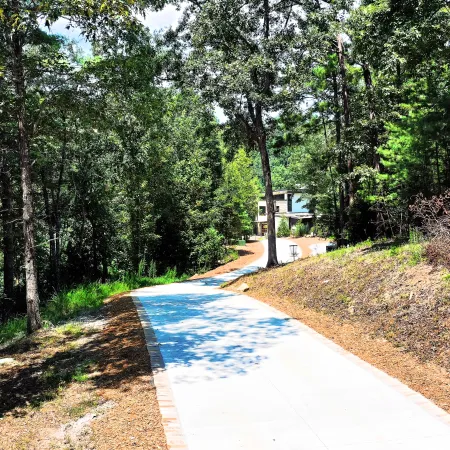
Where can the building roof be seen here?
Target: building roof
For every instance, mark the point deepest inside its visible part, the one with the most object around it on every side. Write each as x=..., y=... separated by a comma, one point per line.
x=295, y=215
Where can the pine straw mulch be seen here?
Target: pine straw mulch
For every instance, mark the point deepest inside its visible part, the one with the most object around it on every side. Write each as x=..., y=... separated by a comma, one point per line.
x=393, y=315
x=85, y=385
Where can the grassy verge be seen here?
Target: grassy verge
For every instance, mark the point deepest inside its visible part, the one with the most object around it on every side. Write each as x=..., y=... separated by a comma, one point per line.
x=85, y=298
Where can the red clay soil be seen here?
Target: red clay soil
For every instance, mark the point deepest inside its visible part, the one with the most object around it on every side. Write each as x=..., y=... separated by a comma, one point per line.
x=247, y=255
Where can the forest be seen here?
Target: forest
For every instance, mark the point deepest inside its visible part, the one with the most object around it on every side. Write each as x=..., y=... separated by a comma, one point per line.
x=113, y=161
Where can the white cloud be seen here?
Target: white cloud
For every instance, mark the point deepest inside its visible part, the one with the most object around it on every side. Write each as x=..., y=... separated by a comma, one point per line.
x=166, y=18
x=220, y=114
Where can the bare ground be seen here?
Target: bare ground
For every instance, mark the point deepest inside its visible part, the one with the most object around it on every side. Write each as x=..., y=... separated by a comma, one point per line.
x=388, y=309
x=250, y=253
x=85, y=385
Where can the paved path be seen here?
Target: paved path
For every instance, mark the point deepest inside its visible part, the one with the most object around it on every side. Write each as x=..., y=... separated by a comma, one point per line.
x=238, y=374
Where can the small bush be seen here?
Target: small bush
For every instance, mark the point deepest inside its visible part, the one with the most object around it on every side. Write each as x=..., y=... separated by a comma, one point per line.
x=434, y=218
x=230, y=255
x=12, y=328
x=152, y=269
x=438, y=252
x=415, y=236
x=301, y=229
x=208, y=249
x=283, y=229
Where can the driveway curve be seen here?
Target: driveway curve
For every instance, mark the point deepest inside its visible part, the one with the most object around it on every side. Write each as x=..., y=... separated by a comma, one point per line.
x=233, y=373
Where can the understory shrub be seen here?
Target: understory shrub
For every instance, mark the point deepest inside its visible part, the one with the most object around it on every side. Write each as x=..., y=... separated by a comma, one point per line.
x=231, y=254
x=208, y=250
x=433, y=217
x=283, y=229
x=301, y=229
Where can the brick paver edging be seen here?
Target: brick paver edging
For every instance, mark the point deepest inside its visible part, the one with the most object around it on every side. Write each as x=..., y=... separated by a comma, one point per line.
x=170, y=420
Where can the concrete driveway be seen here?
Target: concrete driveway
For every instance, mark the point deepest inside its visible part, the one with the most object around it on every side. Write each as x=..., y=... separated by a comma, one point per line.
x=233, y=373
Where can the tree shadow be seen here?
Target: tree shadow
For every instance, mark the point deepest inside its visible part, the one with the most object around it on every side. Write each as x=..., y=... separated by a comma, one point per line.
x=211, y=334
x=242, y=252
x=111, y=359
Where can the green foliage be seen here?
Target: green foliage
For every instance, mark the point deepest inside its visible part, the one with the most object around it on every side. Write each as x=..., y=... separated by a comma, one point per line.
x=132, y=175
x=152, y=269
x=15, y=327
x=301, y=229
x=415, y=236
x=231, y=254
x=283, y=228
x=84, y=299
x=237, y=197
x=208, y=249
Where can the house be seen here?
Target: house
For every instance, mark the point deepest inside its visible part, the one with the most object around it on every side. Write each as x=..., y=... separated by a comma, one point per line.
x=289, y=204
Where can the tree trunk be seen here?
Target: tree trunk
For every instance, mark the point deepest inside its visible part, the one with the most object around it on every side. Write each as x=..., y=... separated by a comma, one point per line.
x=258, y=133
x=333, y=186
x=56, y=214
x=104, y=260
x=438, y=172
x=31, y=273
x=262, y=146
x=270, y=205
x=8, y=232
x=94, y=251
x=135, y=237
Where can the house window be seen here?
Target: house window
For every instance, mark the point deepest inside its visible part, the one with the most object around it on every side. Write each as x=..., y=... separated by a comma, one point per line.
x=262, y=210
x=277, y=209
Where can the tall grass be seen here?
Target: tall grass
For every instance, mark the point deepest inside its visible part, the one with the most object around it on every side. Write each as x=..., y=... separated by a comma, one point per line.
x=85, y=298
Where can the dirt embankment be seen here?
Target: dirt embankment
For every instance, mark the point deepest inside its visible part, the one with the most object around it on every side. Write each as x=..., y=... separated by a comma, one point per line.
x=84, y=385
x=385, y=305
x=248, y=254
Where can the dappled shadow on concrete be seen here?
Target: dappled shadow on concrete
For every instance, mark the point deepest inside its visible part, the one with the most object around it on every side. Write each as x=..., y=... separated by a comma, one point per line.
x=210, y=333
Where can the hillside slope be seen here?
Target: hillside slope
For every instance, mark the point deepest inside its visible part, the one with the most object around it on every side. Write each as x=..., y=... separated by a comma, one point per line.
x=384, y=304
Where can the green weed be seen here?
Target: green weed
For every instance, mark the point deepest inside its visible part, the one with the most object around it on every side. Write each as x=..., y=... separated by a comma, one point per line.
x=70, y=329
x=13, y=328
x=81, y=408
x=81, y=373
